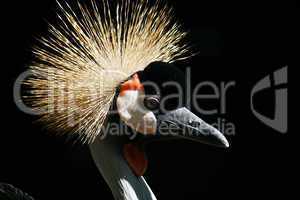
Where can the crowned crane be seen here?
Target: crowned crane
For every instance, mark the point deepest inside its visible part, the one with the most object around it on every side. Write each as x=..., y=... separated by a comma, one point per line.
x=109, y=63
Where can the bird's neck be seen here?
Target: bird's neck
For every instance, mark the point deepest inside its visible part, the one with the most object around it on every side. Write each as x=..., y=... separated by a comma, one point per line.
x=107, y=154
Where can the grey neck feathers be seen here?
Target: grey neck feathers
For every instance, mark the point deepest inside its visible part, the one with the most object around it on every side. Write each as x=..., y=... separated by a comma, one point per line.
x=107, y=155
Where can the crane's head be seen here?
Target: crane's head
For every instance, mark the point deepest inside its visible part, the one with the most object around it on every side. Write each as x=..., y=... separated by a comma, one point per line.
x=118, y=53
x=152, y=104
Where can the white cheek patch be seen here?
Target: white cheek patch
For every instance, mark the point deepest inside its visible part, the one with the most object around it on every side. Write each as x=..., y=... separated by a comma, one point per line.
x=134, y=114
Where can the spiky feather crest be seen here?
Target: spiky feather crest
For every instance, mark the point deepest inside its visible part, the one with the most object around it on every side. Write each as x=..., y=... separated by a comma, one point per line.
x=82, y=61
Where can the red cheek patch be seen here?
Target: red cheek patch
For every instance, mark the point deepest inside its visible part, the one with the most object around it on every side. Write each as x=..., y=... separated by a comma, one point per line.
x=133, y=84
x=136, y=159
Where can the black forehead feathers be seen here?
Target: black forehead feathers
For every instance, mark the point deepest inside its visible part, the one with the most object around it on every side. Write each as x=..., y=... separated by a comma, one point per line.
x=161, y=73
x=167, y=78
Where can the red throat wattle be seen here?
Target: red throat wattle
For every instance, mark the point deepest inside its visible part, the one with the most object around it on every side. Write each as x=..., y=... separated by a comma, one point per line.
x=136, y=158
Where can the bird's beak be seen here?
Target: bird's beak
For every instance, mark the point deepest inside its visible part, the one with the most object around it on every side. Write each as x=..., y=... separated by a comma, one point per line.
x=184, y=124
x=180, y=123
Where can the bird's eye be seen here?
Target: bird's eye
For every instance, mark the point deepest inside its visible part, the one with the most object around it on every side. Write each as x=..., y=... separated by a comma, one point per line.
x=152, y=102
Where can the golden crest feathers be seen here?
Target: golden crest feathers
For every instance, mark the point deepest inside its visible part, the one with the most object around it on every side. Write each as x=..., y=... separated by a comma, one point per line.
x=90, y=51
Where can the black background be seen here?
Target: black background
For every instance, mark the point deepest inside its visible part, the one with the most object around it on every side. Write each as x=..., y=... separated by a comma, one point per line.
x=241, y=42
